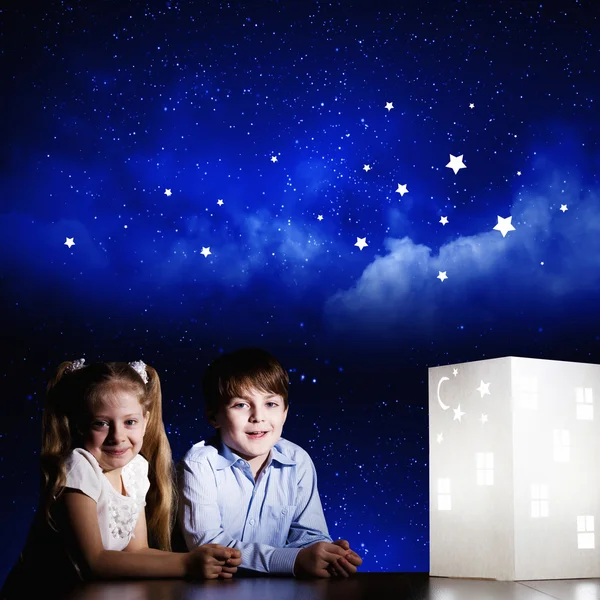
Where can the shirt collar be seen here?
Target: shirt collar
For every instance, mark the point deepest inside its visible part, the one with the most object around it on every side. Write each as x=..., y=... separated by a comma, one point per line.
x=226, y=457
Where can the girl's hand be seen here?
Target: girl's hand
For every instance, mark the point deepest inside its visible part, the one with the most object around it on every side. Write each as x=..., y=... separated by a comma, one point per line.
x=212, y=561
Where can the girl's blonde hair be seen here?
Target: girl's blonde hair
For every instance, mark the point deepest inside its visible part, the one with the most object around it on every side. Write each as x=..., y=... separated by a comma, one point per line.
x=69, y=396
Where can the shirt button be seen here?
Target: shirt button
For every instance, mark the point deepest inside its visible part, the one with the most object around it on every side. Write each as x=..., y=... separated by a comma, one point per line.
x=284, y=512
x=251, y=521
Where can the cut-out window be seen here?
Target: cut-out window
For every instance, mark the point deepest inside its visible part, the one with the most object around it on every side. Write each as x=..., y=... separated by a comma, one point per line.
x=585, y=403
x=444, y=498
x=485, y=468
x=539, y=500
x=562, y=445
x=585, y=532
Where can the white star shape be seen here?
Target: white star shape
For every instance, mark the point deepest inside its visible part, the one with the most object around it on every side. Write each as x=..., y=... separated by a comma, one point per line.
x=442, y=275
x=205, y=251
x=458, y=414
x=440, y=438
x=320, y=218
x=471, y=105
x=519, y=173
x=564, y=208
x=484, y=389
x=504, y=225
x=367, y=168
x=389, y=106
x=220, y=202
x=361, y=243
x=69, y=242
x=484, y=418
x=455, y=372
x=168, y=192
x=402, y=189
x=444, y=220
x=456, y=163
x=273, y=159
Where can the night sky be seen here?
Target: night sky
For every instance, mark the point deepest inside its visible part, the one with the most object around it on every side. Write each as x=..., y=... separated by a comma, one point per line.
x=180, y=179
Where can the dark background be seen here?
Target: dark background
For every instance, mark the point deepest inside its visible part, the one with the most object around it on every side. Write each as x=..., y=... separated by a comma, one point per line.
x=105, y=105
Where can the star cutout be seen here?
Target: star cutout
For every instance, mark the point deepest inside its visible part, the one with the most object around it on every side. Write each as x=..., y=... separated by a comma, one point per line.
x=471, y=105
x=361, y=243
x=205, y=252
x=440, y=438
x=444, y=220
x=402, y=189
x=456, y=163
x=455, y=372
x=504, y=225
x=70, y=242
x=564, y=208
x=273, y=159
x=389, y=106
x=320, y=218
x=484, y=389
x=458, y=414
x=484, y=418
x=367, y=168
x=442, y=275
x=168, y=192
x=220, y=202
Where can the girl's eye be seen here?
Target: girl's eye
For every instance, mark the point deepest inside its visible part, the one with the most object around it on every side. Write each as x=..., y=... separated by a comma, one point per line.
x=130, y=422
x=99, y=424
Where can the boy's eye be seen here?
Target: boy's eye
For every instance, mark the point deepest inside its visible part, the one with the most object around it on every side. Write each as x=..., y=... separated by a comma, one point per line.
x=239, y=405
x=272, y=404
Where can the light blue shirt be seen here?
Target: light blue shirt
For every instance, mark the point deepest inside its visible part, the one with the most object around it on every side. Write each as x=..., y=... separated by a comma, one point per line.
x=269, y=520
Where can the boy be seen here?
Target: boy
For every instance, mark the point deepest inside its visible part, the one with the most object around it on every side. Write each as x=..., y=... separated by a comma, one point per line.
x=250, y=489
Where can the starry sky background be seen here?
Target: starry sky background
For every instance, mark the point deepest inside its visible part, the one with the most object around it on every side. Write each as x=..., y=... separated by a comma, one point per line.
x=107, y=105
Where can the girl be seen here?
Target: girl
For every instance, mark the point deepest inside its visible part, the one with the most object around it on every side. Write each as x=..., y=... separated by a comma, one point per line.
x=105, y=455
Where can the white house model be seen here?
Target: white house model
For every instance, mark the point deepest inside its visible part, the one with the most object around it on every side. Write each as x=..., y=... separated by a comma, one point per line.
x=514, y=457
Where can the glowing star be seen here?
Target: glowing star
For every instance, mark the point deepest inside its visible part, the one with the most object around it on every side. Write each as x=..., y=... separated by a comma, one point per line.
x=442, y=275
x=484, y=389
x=361, y=243
x=205, y=251
x=273, y=159
x=402, y=189
x=444, y=220
x=389, y=106
x=455, y=372
x=367, y=168
x=440, y=438
x=484, y=419
x=564, y=208
x=220, y=202
x=456, y=163
x=458, y=414
x=504, y=225
x=471, y=105
x=519, y=173
x=168, y=192
x=320, y=218
x=69, y=242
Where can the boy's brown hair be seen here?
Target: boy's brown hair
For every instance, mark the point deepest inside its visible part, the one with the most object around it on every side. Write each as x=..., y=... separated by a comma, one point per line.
x=233, y=375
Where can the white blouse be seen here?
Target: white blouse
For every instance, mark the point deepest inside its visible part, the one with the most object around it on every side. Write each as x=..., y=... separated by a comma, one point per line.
x=117, y=514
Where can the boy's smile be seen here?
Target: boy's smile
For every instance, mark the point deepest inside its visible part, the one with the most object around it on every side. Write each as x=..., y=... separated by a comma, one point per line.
x=251, y=425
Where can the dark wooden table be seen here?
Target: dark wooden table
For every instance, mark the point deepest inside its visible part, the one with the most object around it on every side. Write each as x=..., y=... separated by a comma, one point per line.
x=363, y=586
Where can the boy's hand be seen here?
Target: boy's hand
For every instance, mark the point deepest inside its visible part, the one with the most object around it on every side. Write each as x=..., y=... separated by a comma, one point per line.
x=317, y=559
x=211, y=561
x=346, y=565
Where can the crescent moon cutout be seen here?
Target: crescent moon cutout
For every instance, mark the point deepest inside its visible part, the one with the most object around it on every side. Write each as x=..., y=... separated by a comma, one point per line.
x=444, y=406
